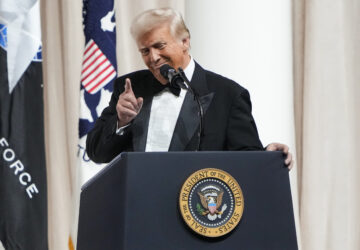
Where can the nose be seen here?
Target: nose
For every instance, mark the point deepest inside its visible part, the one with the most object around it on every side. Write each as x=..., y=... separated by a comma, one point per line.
x=154, y=55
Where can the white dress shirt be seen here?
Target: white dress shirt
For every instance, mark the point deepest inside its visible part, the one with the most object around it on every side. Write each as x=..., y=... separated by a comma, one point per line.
x=165, y=109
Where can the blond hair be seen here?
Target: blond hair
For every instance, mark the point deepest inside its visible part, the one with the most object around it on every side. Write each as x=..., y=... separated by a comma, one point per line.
x=150, y=19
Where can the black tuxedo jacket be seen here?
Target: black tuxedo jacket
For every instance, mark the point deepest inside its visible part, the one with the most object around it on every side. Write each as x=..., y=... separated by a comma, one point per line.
x=228, y=122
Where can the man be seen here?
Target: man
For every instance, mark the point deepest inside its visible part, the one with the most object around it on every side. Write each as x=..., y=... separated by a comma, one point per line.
x=145, y=116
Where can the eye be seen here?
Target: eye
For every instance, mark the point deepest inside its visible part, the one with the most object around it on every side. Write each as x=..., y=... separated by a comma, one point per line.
x=160, y=46
x=144, y=52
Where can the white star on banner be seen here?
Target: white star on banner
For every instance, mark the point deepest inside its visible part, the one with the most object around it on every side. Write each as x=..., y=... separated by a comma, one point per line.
x=106, y=23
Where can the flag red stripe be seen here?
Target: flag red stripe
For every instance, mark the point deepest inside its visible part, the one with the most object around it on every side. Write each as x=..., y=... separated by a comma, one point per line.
x=102, y=80
x=99, y=74
x=91, y=55
x=94, y=60
x=92, y=44
x=101, y=63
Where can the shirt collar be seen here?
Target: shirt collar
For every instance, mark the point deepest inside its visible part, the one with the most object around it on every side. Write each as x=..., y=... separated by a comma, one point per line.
x=189, y=70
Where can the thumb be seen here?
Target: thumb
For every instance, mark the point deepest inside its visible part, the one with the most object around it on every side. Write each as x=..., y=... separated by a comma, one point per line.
x=140, y=102
x=128, y=88
x=271, y=147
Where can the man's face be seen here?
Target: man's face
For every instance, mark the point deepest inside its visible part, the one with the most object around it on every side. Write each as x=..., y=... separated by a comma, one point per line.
x=159, y=47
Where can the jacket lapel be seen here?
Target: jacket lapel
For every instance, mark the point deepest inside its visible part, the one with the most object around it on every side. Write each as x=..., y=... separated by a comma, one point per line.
x=188, y=121
x=140, y=126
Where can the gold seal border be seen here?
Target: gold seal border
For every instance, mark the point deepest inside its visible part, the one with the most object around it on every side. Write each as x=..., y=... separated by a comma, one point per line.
x=234, y=186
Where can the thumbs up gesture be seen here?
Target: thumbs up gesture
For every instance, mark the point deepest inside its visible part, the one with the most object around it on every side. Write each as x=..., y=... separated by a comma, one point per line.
x=128, y=106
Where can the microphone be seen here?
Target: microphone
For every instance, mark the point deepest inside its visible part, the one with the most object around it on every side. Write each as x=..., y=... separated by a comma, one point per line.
x=175, y=78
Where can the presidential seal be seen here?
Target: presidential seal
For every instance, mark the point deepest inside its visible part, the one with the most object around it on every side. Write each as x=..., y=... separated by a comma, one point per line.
x=211, y=202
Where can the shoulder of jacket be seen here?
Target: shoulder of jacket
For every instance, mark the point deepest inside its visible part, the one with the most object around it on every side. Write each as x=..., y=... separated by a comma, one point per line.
x=136, y=74
x=224, y=82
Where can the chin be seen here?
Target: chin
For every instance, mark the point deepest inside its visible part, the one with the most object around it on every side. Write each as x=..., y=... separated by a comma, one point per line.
x=158, y=76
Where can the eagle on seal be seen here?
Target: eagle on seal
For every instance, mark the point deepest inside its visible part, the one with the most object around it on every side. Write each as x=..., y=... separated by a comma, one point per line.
x=211, y=201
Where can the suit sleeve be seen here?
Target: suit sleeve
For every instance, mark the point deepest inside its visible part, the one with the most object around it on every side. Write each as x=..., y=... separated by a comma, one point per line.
x=102, y=143
x=242, y=133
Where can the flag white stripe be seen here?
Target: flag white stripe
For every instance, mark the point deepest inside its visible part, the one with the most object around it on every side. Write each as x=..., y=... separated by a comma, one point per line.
x=93, y=61
x=104, y=83
x=93, y=65
x=90, y=59
x=96, y=63
x=99, y=78
x=91, y=42
x=88, y=50
x=95, y=73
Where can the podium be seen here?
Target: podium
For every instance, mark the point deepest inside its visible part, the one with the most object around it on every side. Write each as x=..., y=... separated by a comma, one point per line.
x=133, y=203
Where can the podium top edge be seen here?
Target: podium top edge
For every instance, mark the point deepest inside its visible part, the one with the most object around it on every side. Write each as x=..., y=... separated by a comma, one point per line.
x=124, y=155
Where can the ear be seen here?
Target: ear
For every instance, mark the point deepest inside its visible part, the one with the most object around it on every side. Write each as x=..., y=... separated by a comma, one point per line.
x=186, y=44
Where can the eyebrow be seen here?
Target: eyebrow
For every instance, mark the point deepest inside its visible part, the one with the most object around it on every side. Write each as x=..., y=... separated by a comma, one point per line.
x=154, y=45
x=158, y=44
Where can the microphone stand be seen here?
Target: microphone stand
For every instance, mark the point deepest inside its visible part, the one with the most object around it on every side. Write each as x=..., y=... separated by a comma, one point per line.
x=196, y=98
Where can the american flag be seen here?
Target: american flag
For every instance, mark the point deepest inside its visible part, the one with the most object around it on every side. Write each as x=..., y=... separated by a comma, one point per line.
x=97, y=70
x=97, y=76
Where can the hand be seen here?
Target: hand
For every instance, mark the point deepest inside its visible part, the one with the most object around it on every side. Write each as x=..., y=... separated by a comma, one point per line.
x=128, y=106
x=285, y=149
